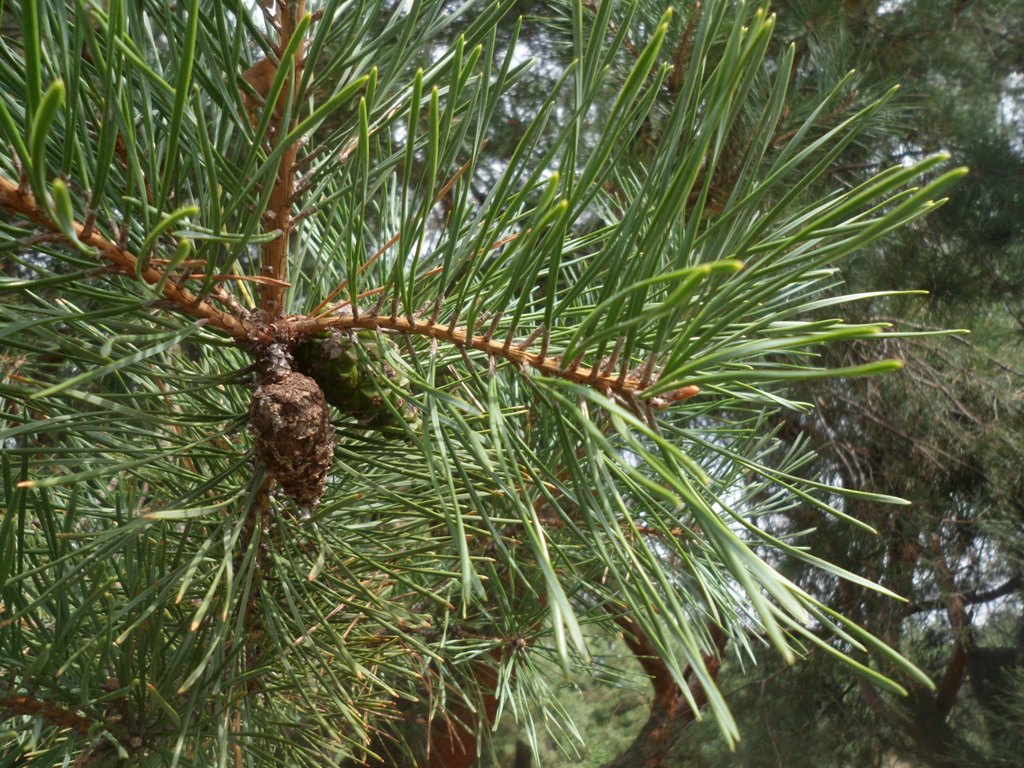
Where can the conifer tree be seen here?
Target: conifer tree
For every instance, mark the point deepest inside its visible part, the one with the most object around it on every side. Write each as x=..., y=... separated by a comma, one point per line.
x=328, y=434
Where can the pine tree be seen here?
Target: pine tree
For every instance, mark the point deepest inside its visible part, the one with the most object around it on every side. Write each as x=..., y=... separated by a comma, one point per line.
x=316, y=455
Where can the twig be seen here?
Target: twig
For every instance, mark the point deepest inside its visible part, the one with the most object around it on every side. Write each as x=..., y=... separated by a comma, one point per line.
x=23, y=203
x=1008, y=587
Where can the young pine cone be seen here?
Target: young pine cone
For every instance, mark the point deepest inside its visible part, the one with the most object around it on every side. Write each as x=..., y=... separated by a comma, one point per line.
x=354, y=383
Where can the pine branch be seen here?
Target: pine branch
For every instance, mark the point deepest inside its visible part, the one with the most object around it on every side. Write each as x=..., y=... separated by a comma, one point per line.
x=976, y=597
x=22, y=202
x=316, y=638
x=955, y=670
x=625, y=385
x=452, y=742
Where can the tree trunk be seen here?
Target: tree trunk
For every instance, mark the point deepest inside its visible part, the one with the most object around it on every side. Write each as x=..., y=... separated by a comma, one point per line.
x=670, y=712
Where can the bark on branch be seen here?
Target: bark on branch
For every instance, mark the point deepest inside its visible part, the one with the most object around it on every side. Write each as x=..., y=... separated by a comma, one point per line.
x=977, y=597
x=603, y=377
x=960, y=622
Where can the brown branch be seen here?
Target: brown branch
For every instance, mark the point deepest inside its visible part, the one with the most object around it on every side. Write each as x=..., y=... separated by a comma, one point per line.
x=275, y=252
x=924, y=714
x=24, y=204
x=684, y=49
x=976, y=597
x=27, y=705
x=625, y=386
x=452, y=741
x=239, y=327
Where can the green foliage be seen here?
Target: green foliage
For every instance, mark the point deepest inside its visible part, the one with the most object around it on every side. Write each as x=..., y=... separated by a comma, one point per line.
x=594, y=345
x=945, y=435
x=606, y=704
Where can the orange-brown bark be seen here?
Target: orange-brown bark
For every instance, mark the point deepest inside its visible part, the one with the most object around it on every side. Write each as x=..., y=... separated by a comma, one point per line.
x=279, y=211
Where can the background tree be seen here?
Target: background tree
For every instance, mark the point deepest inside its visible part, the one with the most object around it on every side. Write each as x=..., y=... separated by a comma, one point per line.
x=326, y=433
